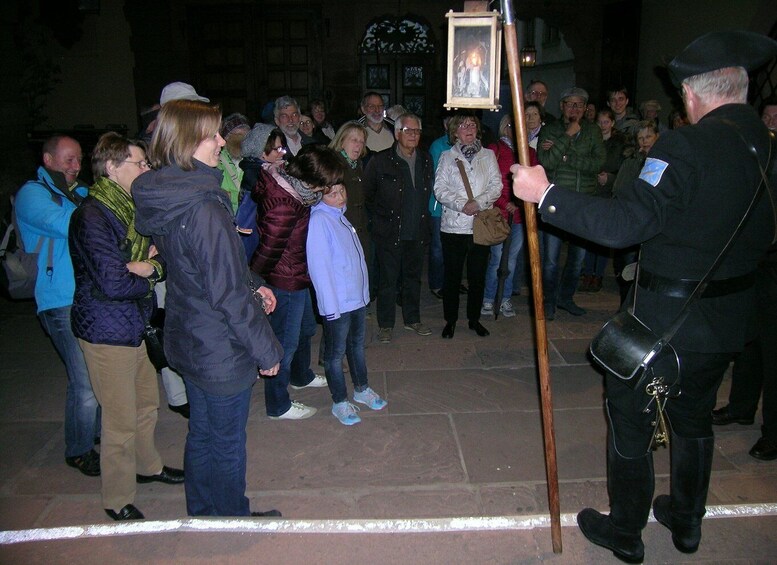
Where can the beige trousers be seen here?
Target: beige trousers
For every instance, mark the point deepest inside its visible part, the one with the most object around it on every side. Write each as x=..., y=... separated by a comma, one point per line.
x=125, y=384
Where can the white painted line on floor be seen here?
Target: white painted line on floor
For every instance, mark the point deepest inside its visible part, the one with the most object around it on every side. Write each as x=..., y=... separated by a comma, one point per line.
x=272, y=526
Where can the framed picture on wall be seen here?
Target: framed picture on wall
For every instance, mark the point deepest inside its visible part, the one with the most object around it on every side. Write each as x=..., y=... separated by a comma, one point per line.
x=378, y=77
x=474, y=60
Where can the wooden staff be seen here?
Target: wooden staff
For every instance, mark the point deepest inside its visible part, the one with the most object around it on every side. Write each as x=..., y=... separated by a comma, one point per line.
x=546, y=396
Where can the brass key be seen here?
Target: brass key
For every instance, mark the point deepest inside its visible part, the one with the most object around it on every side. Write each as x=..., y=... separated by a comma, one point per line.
x=659, y=391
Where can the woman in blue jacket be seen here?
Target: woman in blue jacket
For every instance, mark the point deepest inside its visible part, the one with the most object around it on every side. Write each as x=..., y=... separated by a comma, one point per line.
x=339, y=274
x=115, y=269
x=216, y=334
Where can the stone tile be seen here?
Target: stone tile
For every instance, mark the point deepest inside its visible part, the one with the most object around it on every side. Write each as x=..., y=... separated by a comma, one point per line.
x=499, y=447
x=380, y=451
x=21, y=512
x=458, y=391
x=19, y=444
x=579, y=386
x=446, y=354
x=419, y=503
x=302, y=504
x=44, y=401
x=518, y=498
x=745, y=488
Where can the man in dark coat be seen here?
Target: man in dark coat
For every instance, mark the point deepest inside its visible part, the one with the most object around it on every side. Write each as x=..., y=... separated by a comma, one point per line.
x=397, y=185
x=692, y=193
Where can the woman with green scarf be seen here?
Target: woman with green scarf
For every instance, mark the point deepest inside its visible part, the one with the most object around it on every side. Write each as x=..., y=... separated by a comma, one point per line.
x=115, y=270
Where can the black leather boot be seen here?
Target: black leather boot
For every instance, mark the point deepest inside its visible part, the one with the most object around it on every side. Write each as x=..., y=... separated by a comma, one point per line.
x=684, y=509
x=630, y=484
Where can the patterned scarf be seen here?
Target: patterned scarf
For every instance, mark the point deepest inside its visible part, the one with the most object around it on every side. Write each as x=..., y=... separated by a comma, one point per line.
x=116, y=199
x=469, y=151
x=308, y=197
x=353, y=164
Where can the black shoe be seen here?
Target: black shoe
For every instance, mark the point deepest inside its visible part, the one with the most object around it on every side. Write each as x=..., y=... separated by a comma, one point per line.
x=129, y=512
x=684, y=538
x=571, y=307
x=463, y=289
x=88, y=463
x=268, y=514
x=183, y=409
x=436, y=293
x=764, y=449
x=169, y=476
x=722, y=417
x=598, y=529
x=448, y=331
x=479, y=329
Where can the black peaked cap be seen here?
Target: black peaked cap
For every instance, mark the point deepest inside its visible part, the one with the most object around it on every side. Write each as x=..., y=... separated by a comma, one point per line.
x=722, y=49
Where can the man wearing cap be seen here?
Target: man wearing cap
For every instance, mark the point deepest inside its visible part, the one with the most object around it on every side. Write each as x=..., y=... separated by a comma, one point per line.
x=692, y=193
x=234, y=129
x=180, y=91
x=572, y=151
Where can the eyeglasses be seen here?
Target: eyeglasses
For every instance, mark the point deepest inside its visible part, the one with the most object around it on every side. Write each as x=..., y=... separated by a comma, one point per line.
x=285, y=117
x=539, y=93
x=305, y=122
x=280, y=149
x=142, y=164
x=574, y=105
x=468, y=125
x=411, y=131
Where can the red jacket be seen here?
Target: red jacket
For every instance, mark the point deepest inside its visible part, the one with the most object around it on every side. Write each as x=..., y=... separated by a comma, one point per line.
x=283, y=230
x=506, y=159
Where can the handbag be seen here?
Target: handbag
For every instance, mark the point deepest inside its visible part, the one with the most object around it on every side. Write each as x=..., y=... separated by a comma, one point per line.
x=489, y=227
x=628, y=348
x=153, y=336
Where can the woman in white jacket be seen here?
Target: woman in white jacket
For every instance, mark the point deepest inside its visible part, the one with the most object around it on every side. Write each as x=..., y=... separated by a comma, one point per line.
x=458, y=213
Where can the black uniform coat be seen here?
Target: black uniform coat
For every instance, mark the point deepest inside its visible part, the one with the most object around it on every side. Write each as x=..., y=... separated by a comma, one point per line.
x=693, y=191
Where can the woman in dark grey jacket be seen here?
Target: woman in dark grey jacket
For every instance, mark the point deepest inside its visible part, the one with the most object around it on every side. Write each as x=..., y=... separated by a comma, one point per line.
x=216, y=334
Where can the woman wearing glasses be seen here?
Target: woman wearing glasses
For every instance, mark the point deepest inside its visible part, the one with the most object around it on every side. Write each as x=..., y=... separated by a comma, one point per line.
x=458, y=212
x=115, y=270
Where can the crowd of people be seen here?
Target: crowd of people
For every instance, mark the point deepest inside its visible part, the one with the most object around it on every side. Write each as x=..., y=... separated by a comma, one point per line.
x=251, y=235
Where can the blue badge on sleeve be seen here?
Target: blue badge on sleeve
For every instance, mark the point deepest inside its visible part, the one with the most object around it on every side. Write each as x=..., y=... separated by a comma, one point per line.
x=653, y=170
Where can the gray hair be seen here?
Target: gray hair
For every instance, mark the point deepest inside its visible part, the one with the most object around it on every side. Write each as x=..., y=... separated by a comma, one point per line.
x=284, y=102
x=399, y=123
x=724, y=85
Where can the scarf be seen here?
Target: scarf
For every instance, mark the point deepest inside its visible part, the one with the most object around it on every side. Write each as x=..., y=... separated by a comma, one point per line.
x=116, y=199
x=308, y=197
x=353, y=164
x=507, y=141
x=469, y=151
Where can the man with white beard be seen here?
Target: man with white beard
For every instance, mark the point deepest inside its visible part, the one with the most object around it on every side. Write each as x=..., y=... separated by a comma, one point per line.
x=286, y=113
x=380, y=134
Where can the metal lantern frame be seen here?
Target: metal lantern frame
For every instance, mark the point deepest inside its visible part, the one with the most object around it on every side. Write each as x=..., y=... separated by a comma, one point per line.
x=474, y=60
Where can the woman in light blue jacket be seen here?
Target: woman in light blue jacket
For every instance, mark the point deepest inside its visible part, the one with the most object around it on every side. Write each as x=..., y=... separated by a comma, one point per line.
x=339, y=274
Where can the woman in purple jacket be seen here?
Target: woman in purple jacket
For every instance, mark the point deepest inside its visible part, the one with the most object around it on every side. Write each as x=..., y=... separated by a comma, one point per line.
x=115, y=270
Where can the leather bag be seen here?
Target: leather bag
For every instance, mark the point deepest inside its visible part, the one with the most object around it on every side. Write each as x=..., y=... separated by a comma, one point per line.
x=489, y=227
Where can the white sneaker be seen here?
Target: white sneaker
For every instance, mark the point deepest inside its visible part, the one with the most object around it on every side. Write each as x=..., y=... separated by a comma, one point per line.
x=487, y=309
x=507, y=309
x=298, y=411
x=317, y=382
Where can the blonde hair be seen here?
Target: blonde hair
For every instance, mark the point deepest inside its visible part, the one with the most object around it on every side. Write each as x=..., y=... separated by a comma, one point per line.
x=181, y=126
x=342, y=133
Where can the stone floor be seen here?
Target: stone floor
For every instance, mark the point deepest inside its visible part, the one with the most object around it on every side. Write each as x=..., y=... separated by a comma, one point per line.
x=461, y=437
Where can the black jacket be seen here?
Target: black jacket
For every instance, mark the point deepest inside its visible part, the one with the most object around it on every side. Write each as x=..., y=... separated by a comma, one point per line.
x=216, y=334
x=384, y=191
x=694, y=189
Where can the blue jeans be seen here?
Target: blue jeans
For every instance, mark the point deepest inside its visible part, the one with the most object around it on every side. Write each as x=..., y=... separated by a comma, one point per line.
x=516, y=243
x=215, y=455
x=294, y=325
x=560, y=292
x=345, y=336
x=436, y=272
x=595, y=262
x=82, y=412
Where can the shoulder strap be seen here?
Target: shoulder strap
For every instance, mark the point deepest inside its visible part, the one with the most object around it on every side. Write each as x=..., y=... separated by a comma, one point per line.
x=464, y=177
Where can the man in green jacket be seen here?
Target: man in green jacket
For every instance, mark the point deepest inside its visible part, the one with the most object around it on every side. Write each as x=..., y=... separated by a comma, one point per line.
x=572, y=152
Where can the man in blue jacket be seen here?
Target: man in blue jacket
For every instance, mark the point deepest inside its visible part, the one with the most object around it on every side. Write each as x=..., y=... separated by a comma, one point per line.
x=43, y=209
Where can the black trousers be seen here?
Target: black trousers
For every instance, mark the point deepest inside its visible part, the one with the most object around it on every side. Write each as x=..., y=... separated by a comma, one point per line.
x=456, y=250
x=755, y=369
x=405, y=261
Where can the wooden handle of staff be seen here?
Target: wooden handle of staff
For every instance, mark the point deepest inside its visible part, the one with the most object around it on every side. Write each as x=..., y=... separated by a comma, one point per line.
x=530, y=212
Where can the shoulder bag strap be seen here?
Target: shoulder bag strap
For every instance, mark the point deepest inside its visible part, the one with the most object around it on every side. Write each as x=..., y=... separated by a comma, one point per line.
x=464, y=177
